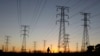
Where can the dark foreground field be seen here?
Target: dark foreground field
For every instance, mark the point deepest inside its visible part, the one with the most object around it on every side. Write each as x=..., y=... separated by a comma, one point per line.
x=48, y=54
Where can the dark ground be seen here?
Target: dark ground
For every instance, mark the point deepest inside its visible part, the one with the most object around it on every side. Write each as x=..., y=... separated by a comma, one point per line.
x=48, y=54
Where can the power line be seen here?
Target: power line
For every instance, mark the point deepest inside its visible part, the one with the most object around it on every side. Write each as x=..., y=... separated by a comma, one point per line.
x=90, y=6
x=77, y=2
x=19, y=12
x=86, y=8
x=54, y=26
x=67, y=2
x=40, y=11
x=50, y=31
x=81, y=2
x=50, y=27
x=35, y=11
x=95, y=15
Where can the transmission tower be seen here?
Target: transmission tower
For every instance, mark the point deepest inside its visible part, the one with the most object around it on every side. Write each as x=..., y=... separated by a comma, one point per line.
x=34, y=45
x=66, y=43
x=13, y=48
x=76, y=47
x=7, y=43
x=3, y=48
x=44, y=45
x=25, y=34
x=51, y=48
x=62, y=25
x=85, y=40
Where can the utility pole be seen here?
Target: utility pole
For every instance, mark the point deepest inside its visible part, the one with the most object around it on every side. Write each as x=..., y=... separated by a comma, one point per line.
x=66, y=43
x=44, y=45
x=7, y=43
x=25, y=34
x=34, y=45
x=85, y=40
x=62, y=25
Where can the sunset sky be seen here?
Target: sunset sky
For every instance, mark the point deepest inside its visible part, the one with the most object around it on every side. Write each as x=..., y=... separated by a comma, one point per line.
x=40, y=15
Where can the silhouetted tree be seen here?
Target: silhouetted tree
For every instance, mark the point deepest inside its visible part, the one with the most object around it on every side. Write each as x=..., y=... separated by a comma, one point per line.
x=90, y=49
x=97, y=48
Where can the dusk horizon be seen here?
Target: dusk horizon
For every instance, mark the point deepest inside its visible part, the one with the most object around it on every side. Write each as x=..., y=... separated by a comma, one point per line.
x=39, y=20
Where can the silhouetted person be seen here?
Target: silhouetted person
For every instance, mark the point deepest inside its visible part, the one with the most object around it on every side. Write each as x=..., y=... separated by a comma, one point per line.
x=48, y=50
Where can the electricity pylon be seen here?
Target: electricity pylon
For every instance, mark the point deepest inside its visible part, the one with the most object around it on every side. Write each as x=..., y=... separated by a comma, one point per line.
x=66, y=43
x=3, y=48
x=76, y=47
x=85, y=40
x=25, y=34
x=44, y=45
x=35, y=45
x=7, y=43
x=13, y=48
x=62, y=25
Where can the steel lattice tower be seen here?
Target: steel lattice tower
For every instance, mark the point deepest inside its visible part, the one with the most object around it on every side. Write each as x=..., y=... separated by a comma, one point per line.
x=85, y=40
x=76, y=47
x=62, y=25
x=7, y=43
x=66, y=43
x=3, y=48
x=44, y=45
x=13, y=48
x=34, y=45
x=23, y=49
